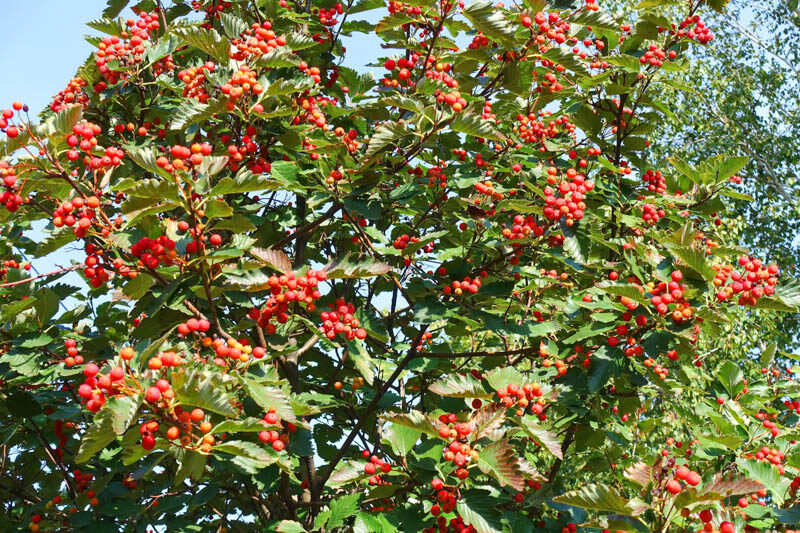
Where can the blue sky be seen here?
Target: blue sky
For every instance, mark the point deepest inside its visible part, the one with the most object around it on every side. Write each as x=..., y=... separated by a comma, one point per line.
x=42, y=48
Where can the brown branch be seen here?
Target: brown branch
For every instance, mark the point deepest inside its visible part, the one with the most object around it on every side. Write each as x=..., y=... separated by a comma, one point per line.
x=57, y=463
x=34, y=278
x=564, y=446
x=305, y=229
x=373, y=405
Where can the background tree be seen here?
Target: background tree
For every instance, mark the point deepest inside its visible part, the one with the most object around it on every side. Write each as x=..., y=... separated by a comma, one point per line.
x=741, y=95
x=455, y=298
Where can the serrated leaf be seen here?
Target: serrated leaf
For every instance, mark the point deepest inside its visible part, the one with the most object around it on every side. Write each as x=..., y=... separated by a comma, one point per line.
x=642, y=473
x=384, y=135
x=108, y=26
x=99, y=435
x=546, y=438
x=479, y=510
x=198, y=389
x=191, y=465
x=278, y=58
x=275, y=259
x=271, y=397
x=694, y=259
x=401, y=438
x=472, y=124
x=731, y=377
x=346, y=268
x=232, y=25
x=597, y=20
x=361, y=360
x=460, y=386
x=487, y=419
x=598, y=497
x=206, y=40
x=490, y=20
x=347, y=472
x=392, y=21
x=768, y=354
x=413, y=419
x=192, y=112
x=243, y=182
x=766, y=474
x=500, y=378
x=500, y=461
x=290, y=526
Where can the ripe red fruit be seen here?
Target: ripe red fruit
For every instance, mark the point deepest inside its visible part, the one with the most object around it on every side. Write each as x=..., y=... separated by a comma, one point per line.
x=90, y=370
x=152, y=394
x=369, y=468
x=674, y=487
x=693, y=479
x=727, y=527
x=215, y=239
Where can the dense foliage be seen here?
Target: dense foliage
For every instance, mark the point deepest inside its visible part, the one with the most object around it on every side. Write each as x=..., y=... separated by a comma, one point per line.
x=458, y=297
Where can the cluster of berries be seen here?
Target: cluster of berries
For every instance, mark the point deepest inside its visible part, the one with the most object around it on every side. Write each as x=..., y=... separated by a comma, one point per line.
x=285, y=290
x=756, y=281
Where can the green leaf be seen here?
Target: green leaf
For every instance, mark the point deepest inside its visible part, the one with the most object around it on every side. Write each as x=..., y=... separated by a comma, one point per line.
x=788, y=292
x=768, y=354
x=546, y=438
x=232, y=25
x=392, y=21
x=718, y=5
x=46, y=304
x=479, y=510
x=414, y=420
x=346, y=268
x=341, y=508
x=108, y=26
x=598, y=497
x=271, y=397
x=248, y=455
x=731, y=377
x=490, y=20
x=629, y=63
x=123, y=411
x=598, y=20
x=114, y=8
x=696, y=260
x=347, y=472
x=245, y=181
x=603, y=367
x=766, y=474
x=401, y=438
x=206, y=40
x=138, y=286
x=290, y=526
x=191, y=465
x=218, y=209
x=99, y=435
x=199, y=389
x=384, y=135
x=63, y=121
x=474, y=125
x=500, y=461
x=246, y=425
x=275, y=259
x=460, y=386
x=192, y=112
x=361, y=360
x=500, y=378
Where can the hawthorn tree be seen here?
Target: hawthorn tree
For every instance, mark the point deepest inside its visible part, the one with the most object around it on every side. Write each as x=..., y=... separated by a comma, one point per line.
x=453, y=297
